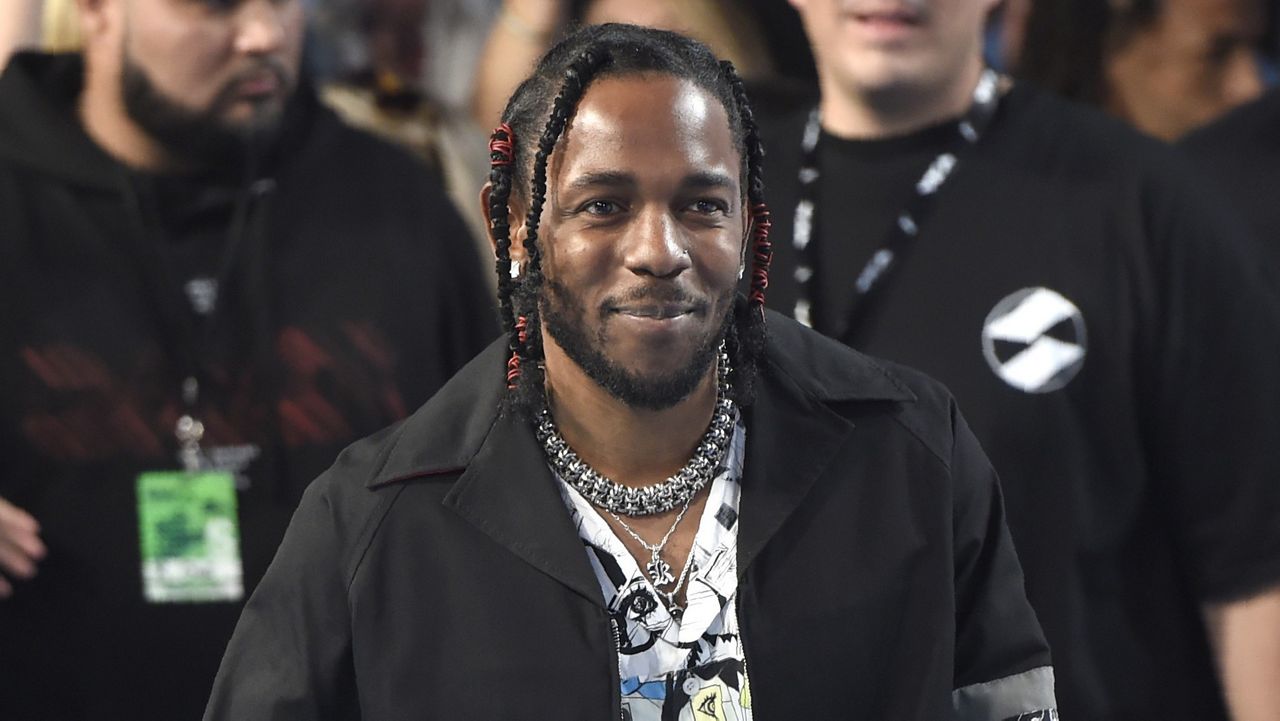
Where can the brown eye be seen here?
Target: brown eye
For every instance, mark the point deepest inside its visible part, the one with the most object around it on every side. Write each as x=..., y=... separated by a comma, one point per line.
x=600, y=207
x=708, y=206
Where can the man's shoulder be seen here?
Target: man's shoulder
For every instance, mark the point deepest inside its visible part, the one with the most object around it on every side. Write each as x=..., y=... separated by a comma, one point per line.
x=1238, y=132
x=363, y=158
x=1044, y=132
x=439, y=439
x=837, y=375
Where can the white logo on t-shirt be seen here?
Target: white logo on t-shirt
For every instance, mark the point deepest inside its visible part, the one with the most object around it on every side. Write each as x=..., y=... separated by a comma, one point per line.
x=1035, y=340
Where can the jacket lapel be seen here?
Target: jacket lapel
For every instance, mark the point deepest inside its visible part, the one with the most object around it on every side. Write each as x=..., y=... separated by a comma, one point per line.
x=509, y=494
x=792, y=434
x=791, y=439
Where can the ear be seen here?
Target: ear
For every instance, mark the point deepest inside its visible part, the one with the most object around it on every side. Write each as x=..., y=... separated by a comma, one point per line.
x=516, y=221
x=747, y=227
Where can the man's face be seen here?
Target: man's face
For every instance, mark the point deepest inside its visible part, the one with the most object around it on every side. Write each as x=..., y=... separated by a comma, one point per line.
x=642, y=236
x=1196, y=61
x=865, y=47
x=197, y=71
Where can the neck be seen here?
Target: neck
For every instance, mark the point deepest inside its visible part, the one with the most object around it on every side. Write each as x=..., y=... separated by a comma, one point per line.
x=632, y=446
x=897, y=109
x=103, y=115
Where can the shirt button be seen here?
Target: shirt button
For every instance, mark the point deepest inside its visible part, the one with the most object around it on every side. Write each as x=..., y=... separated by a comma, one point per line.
x=691, y=686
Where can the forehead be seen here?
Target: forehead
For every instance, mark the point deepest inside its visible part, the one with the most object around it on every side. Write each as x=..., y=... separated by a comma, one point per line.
x=648, y=125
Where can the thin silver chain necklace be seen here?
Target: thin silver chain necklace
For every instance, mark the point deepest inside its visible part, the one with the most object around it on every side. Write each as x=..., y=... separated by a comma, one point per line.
x=658, y=569
x=659, y=497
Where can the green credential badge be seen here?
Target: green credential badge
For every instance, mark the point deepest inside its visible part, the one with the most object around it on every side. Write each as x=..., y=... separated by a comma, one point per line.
x=190, y=536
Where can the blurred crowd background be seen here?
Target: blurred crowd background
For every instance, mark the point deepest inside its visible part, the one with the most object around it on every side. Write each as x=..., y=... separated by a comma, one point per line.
x=434, y=74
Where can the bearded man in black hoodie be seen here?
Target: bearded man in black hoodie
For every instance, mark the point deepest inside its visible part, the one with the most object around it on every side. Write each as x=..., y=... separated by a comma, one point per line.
x=208, y=286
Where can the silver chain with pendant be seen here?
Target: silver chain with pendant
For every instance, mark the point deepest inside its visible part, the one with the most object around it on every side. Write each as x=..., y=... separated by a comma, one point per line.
x=659, y=497
x=658, y=569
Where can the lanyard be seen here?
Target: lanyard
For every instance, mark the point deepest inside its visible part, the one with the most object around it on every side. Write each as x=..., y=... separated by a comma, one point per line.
x=906, y=227
x=188, y=343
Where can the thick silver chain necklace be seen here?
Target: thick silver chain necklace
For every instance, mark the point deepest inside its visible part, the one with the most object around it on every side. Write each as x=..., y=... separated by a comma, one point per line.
x=659, y=497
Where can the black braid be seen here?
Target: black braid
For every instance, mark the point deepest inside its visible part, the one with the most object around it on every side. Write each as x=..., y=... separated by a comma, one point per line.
x=749, y=335
x=500, y=182
x=553, y=92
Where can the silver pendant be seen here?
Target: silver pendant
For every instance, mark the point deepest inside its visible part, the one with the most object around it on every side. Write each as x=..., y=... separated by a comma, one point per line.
x=659, y=570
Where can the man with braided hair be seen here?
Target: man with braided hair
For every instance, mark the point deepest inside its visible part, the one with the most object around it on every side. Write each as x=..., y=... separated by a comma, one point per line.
x=641, y=505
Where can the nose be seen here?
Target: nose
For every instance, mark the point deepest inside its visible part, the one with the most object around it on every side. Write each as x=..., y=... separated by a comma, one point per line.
x=655, y=246
x=261, y=27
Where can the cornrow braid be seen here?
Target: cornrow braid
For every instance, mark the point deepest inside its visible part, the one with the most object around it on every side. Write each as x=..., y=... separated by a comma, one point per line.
x=542, y=106
x=750, y=328
x=526, y=340
x=501, y=166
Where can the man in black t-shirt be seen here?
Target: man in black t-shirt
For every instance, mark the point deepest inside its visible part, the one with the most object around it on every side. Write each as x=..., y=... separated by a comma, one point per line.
x=1103, y=325
x=1241, y=152
x=208, y=287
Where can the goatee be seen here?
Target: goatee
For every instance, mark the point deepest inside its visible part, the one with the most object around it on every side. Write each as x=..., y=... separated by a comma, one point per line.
x=565, y=319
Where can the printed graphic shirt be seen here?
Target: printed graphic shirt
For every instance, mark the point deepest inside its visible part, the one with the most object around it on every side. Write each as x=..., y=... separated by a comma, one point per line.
x=693, y=668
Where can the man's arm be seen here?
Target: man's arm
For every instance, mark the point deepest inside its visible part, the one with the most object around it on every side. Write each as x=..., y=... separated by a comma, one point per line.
x=1211, y=373
x=290, y=655
x=20, y=546
x=1246, y=640
x=1002, y=659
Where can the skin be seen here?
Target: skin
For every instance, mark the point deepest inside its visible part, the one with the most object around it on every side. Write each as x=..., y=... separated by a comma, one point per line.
x=19, y=26
x=643, y=197
x=886, y=80
x=888, y=67
x=20, y=546
x=191, y=50
x=1245, y=635
x=1196, y=61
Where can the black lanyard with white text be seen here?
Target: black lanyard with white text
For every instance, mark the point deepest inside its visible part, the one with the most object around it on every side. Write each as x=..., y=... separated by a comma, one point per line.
x=907, y=223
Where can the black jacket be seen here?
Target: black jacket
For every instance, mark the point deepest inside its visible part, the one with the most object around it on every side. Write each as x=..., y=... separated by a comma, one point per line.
x=355, y=293
x=433, y=572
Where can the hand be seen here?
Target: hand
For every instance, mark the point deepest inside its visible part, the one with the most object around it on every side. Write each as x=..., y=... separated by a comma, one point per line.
x=20, y=545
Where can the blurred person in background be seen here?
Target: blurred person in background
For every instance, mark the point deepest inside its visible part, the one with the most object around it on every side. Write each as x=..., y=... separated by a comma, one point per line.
x=1104, y=323
x=19, y=26
x=382, y=91
x=208, y=287
x=525, y=29
x=1166, y=66
x=1241, y=152
x=47, y=24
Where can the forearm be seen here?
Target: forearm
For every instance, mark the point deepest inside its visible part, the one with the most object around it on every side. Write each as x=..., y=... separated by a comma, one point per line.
x=521, y=33
x=1246, y=638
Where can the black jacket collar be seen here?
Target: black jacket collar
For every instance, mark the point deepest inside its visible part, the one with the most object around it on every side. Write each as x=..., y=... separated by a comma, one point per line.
x=505, y=489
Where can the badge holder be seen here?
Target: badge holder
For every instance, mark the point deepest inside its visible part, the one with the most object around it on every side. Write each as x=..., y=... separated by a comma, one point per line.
x=188, y=525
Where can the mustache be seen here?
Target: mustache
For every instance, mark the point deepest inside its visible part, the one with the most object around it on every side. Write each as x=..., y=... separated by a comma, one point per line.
x=868, y=7
x=273, y=66
x=655, y=295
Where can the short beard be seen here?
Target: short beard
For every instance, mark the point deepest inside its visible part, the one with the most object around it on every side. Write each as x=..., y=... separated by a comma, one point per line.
x=566, y=322
x=199, y=138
